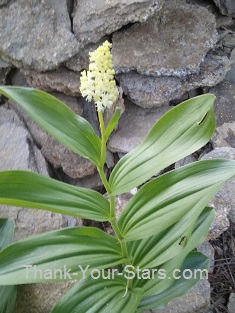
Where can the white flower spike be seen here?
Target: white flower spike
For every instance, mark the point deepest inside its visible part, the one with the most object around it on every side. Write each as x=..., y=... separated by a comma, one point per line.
x=98, y=82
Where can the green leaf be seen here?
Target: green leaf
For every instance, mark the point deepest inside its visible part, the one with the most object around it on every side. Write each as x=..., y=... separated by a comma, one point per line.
x=158, y=249
x=181, y=131
x=194, y=261
x=166, y=199
x=31, y=190
x=8, y=298
x=57, y=255
x=6, y=232
x=73, y=131
x=161, y=283
x=112, y=123
x=7, y=293
x=101, y=295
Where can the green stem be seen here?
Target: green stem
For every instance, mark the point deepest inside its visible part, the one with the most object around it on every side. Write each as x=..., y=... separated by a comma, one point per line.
x=109, y=191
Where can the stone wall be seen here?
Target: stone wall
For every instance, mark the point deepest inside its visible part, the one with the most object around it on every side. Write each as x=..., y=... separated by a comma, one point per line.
x=164, y=51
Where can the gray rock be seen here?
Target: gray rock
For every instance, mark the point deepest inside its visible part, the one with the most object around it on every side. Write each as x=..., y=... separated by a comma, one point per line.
x=55, y=153
x=223, y=202
x=61, y=9
x=187, y=160
x=230, y=77
x=61, y=80
x=94, y=19
x=196, y=300
x=3, y=2
x=153, y=79
x=17, y=152
x=133, y=127
x=36, y=37
x=5, y=68
x=149, y=91
x=225, y=115
x=81, y=60
x=226, y=7
x=207, y=249
x=168, y=44
x=40, y=298
x=231, y=303
x=3, y=75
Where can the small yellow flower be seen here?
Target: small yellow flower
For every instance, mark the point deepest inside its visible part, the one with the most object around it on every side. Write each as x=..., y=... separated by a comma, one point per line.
x=98, y=82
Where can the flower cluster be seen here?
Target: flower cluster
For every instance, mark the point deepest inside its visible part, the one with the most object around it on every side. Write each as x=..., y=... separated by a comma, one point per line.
x=98, y=82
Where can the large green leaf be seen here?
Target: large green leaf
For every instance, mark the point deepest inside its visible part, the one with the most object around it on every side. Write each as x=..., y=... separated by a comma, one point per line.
x=194, y=261
x=166, y=199
x=7, y=299
x=158, y=249
x=73, y=131
x=27, y=189
x=7, y=293
x=56, y=256
x=6, y=232
x=101, y=295
x=181, y=131
x=161, y=283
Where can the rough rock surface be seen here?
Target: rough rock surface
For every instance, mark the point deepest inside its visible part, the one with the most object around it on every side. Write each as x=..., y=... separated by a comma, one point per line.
x=161, y=46
x=225, y=115
x=148, y=91
x=81, y=60
x=94, y=19
x=17, y=152
x=226, y=7
x=133, y=127
x=153, y=77
x=55, y=153
x=231, y=303
x=33, y=35
x=61, y=80
x=224, y=201
x=2, y=2
x=40, y=298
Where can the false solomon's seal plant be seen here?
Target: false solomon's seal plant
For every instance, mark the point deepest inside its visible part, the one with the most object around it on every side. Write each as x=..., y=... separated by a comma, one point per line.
x=159, y=228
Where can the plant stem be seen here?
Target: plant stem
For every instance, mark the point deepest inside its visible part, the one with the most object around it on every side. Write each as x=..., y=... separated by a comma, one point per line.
x=108, y=189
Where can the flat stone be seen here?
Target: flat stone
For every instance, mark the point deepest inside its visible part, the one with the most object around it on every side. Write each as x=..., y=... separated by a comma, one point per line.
x=94, y=19
x=226, y=7
x=168, y=44
x=40, y=298
x=148, y=91
x=230, y=76
x=61, y=80
x=55, y=153
x=17, y=152
x=81, y=61
x=231, y=303
x=3, y=2
x=224, y=201
x=36, y=37
x=207, y=249
x=134, y=125
x=5, y=68
x=225, y=115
